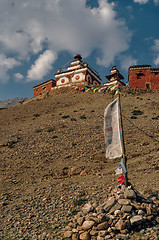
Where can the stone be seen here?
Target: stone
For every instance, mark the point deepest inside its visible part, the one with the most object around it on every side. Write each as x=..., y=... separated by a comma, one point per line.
x=120, y=225
x=122, y=237
x=100, y=238
x=103, y=217
x=150, y=217
x=93, y=232
x=141, y=212
x=95, y=219
x=87, y=208
x=67, y=234
x=102, y=226
x=84, y=236
x=75, y=236
x=124, y=201
x=126, y=208
x=109, y=204
x=102, y=233
x=157, y=219
x=107, y=237
x=88, y=224
x=117, y=212
x=80, y=220
x=136, y=220
x=130, y=194
x=117, y=206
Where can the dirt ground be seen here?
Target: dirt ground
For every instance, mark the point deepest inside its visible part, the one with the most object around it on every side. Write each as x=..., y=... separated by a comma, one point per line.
x=53, y=149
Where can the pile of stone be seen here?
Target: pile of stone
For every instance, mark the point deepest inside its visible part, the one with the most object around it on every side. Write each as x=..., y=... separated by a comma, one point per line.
x=125, y=211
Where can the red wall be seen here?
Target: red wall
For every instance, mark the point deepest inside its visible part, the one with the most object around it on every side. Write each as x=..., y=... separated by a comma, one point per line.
x=44, y=88
x=148, y=77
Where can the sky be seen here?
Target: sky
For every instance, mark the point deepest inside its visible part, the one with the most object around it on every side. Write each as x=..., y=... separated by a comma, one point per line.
x=38, y=37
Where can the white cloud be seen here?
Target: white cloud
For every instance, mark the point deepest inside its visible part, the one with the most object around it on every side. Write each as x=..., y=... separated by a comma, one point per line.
x=156, y=2
x=28, y=27
x=155, y=48
x=156, y=60
x=6, y=64
x=41, y=66
x=156, y=45
x=18, y=76
x=141, y=1
x=146, y=1
x=126, y=62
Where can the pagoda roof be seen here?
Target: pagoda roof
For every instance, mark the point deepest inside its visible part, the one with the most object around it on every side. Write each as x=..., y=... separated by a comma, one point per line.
x=114, y=74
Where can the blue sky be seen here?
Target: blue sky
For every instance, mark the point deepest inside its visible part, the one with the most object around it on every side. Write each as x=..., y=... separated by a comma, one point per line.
x=36, y=39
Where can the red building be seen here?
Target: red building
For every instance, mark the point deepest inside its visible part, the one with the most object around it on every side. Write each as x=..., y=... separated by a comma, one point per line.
x=78, y=73
x=143, y=77
x=43, y=87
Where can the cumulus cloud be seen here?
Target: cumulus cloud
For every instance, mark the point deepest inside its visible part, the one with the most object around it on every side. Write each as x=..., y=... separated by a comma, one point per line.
x=60, y=25
x=6, y=64
x=146, y=1
x=156, y=2
x=18, y=76
x=155, y=48
x=141, y=1
x=126, y=62
x=41, y=66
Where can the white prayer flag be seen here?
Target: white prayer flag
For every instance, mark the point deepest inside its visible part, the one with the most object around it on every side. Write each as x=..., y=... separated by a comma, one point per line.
x=112, y=130
x=118, y=171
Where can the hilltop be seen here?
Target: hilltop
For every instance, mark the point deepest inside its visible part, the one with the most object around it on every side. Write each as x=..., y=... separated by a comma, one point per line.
x=53, y=157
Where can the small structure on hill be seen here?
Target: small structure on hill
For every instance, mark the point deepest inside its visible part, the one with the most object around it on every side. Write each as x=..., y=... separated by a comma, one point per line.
x=43, y=87
x=114, y=78
x=78, y=73
x=143, y=77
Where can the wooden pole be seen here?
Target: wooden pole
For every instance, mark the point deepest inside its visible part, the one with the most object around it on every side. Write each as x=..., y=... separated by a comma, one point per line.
x=123, y=144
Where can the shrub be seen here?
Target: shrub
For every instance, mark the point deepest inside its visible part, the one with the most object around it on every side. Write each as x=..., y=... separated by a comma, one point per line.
x=73, y=119
x=65, y=116
x=137, y=112
x=133, y=117
x=51, y=129
x=38, y=130
x=74, y=144
x=11, y=144
x=83, y=117
x=36, y=115
x=79, y=202
x=55, y=137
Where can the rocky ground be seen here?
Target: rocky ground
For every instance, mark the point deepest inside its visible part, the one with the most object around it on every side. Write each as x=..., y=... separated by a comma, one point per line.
x=53, y=159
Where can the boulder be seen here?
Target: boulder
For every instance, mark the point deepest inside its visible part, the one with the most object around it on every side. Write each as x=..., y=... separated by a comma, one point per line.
x=126, y=208
x=130, y=194
x=109, y=204
x=85, y=236
x=136, y=220
x=88, y=224
x=120, y=225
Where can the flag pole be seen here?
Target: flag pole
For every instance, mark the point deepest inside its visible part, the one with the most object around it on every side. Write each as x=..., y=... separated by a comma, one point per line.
x=123, y=144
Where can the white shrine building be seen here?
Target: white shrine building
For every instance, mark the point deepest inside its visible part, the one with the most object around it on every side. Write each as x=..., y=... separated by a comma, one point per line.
x=78, y=73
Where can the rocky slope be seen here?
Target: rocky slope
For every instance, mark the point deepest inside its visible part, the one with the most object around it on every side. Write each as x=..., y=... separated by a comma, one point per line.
x=53, y=158
x=11, y=102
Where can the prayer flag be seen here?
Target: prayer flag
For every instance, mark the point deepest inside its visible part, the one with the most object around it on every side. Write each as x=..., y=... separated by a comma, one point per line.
x=118, y=171
x=121, y=179
x=122, y=165
x=112, y=130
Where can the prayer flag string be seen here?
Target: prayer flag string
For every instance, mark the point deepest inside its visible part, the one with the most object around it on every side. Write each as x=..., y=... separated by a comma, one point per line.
x=115, y=89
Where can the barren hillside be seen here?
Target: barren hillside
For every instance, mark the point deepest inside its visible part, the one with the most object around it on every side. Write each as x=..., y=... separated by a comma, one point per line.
x=53, y=157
